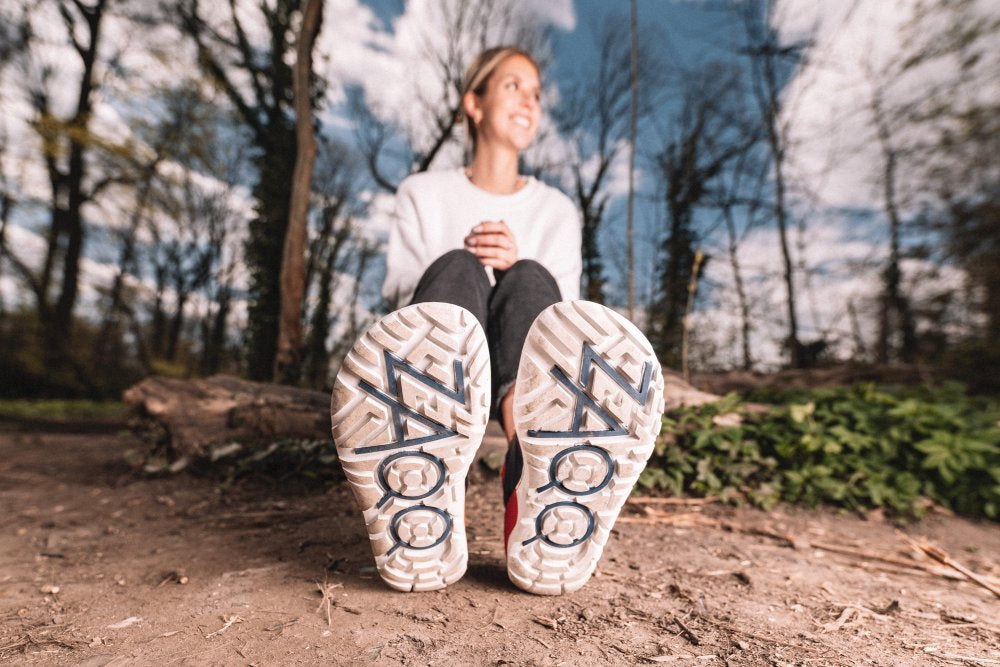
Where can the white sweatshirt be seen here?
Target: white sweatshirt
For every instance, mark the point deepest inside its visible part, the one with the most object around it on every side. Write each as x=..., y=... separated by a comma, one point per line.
x=436, y=210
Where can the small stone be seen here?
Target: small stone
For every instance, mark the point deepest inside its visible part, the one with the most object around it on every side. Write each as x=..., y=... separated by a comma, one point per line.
x=49, y=588
x=588, y=614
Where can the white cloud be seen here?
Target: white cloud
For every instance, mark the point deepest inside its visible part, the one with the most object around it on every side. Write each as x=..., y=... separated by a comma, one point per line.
x=378, y=219
x=398, y=68
x=857, y=47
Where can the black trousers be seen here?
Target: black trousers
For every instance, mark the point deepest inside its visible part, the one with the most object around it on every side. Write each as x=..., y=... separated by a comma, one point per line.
x=505, y=310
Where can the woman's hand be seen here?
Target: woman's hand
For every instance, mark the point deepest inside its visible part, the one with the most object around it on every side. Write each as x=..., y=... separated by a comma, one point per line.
x=493, y=243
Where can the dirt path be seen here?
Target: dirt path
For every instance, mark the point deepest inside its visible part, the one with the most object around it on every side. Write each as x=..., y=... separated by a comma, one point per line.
x=92, y=560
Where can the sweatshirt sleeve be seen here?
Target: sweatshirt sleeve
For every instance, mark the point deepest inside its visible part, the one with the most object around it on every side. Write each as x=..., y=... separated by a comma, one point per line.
x=404, y=255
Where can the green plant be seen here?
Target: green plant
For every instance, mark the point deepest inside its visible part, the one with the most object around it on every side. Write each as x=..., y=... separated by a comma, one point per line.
x=62, y=410
x=860, y=447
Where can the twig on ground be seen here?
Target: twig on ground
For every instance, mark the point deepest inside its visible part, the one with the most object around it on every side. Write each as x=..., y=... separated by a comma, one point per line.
x=652, y=500
x=326, y=601
x=28, y=640
x=736, y=631
x=847, y=614
x=175, y=576
x=230, y=621
x=282, y=626
x=958, y=571
x=885, y=558
x=932, y=652
x=349, y=610
x=686, y=632
x=681, y=519
x=942, y=556
x=496, y=619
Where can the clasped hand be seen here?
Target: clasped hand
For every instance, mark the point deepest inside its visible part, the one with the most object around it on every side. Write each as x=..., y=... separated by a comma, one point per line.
x=493, y=243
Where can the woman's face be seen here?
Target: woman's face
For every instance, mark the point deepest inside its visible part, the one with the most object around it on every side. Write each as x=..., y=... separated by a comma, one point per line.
x=508, y=112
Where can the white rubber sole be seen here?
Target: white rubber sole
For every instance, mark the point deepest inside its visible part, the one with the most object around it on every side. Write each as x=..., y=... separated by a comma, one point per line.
x=587, y=408
x=409, y=409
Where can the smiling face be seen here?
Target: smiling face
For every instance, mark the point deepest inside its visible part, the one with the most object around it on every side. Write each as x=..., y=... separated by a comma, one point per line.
x=507, y=113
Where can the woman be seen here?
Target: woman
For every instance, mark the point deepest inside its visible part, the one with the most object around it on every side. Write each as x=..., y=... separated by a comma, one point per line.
x=488, y=260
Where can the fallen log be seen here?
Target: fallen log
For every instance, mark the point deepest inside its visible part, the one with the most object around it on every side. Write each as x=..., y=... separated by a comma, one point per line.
x=679, y=394
x=187, y=416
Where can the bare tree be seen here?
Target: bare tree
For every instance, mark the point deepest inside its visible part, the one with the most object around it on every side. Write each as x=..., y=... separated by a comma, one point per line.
x=13, y=39
x=704, y=137
x=66, y=143
x=958, y=121
x=157, y=142
x=230, y=59
x=336, y=251
x=184, y=256
x=595, y=114
x=770, y=60
x=739, y=199
x=895, y=313
x=287, y=362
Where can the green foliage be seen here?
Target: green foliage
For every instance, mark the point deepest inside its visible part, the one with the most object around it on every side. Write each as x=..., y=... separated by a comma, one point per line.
x=62, y=410
x=27, y=373
x=860, y=448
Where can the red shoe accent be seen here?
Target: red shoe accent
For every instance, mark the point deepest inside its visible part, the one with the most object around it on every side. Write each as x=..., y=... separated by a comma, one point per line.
x=509, y=519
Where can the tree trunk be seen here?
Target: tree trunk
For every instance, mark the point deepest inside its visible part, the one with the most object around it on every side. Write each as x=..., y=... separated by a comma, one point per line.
x=794, y=345
x=68, y=218
x=741, y=294
x=895, y=314
x=288, y=357
x=6, y=204
x=111, y=325
x=765, y=54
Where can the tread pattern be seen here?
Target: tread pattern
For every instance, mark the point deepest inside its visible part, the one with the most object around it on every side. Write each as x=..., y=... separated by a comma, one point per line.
x=406, y=441
x=587, y=408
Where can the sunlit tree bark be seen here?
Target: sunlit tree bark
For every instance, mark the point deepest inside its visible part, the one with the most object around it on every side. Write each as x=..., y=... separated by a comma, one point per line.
x=287, y=363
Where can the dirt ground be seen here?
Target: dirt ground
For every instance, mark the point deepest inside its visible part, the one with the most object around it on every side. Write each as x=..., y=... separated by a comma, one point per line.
x=99, y=566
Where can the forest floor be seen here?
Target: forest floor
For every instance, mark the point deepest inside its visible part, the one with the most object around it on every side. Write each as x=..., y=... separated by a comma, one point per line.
x=101, y=566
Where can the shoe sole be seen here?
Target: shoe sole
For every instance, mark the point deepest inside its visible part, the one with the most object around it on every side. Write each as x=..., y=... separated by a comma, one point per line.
x=587, y=409
x=409, y=409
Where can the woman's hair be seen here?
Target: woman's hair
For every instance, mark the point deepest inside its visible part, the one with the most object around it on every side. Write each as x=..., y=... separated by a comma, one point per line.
x=477, y=77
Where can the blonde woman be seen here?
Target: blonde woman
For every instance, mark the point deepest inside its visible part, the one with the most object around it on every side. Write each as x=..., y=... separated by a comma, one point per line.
x=489, y=261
